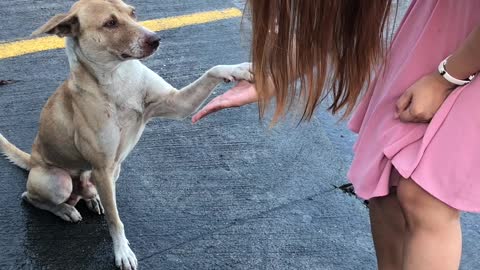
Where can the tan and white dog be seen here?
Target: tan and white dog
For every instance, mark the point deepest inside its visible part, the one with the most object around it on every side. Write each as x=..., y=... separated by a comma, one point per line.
x=95, y=118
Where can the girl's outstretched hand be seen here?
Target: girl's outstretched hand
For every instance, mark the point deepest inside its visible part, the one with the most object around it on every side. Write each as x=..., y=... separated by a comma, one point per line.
x=243, y=93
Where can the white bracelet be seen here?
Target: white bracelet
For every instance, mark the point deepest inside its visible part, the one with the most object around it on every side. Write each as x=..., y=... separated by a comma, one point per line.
x=450, y=78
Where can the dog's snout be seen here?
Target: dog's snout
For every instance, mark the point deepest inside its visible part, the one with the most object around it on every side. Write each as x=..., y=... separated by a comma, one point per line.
x=153, y=41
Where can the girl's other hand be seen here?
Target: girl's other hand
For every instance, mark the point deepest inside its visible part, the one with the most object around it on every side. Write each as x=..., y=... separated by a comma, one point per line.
x=422, y=100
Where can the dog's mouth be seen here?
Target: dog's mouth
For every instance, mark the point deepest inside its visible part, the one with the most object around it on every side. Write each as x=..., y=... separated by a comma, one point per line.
x=125, y=56
x=145, y=55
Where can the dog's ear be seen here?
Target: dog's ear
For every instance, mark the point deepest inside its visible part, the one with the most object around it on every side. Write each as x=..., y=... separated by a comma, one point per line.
x=61, y=25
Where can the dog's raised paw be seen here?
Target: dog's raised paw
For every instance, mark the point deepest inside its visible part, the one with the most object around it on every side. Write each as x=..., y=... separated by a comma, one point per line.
x=230, y=73
x=242, y=72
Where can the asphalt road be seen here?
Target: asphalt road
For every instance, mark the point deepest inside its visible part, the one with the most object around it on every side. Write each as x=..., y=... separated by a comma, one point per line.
x=227, y=193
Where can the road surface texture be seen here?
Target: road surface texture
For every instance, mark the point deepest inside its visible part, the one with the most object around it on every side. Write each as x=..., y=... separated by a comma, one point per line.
x=227, y=193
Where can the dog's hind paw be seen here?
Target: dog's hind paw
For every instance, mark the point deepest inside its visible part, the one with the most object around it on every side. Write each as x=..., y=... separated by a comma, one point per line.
x=67, y=213
x=95, y=205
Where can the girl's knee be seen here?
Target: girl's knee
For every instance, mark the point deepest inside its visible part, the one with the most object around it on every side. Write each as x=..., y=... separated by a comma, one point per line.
x=409, y=196
x=421, y=208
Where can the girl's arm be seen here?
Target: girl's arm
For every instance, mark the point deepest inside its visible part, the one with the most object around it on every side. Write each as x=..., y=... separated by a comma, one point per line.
x=422, y=100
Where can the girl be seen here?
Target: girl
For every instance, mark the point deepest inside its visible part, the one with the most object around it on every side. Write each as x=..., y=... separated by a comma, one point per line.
x=416, y=158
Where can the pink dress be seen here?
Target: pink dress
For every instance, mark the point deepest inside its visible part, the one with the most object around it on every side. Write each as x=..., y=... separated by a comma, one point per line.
x=443, y=157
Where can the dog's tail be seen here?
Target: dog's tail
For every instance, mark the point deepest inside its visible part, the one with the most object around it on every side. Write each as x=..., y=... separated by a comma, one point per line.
x=15, y=155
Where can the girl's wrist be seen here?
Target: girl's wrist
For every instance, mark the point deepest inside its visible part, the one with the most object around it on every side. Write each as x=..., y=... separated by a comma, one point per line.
x=442, y=81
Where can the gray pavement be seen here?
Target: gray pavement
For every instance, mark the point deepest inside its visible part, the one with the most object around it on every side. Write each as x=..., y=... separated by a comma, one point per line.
x=227, y=193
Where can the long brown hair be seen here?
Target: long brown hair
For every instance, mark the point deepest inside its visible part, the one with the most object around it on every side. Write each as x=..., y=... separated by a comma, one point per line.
x=304, y=50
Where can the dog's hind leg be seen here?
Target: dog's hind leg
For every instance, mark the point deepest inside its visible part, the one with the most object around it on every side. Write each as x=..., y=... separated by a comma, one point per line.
x=50, y=189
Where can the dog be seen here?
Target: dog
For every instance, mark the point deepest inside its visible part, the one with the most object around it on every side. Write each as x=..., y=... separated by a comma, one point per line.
x=94, y=119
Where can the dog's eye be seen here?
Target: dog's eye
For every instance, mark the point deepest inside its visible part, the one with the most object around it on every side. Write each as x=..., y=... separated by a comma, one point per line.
x=133, y=14
x=111, y=24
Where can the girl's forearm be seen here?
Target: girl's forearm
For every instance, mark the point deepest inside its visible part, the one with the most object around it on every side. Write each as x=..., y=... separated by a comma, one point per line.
x=465, y=61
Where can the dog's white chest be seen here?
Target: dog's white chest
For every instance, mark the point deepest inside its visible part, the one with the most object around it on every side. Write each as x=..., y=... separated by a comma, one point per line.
x=129, y=119
x=126, y=98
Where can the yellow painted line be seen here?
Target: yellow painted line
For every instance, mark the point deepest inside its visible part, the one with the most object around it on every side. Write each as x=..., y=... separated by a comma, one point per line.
x=17, y=48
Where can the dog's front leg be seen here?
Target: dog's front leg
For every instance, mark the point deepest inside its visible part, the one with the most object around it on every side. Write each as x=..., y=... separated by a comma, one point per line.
x=178, y=104
x=105, y=183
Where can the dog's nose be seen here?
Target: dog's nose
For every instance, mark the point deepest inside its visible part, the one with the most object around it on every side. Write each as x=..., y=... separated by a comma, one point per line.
x=153, y=41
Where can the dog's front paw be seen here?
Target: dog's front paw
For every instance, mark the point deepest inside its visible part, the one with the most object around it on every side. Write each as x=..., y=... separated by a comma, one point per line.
x=125, y=259
x=231, y=73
